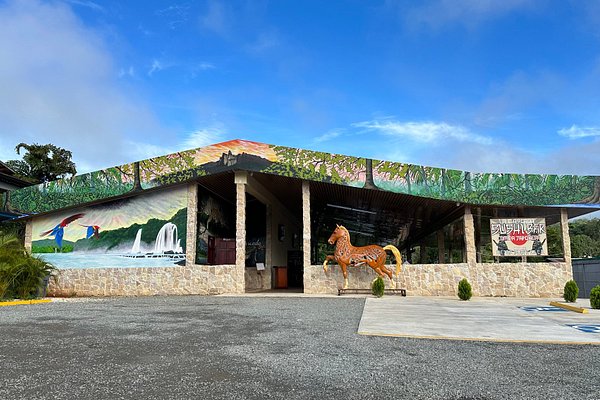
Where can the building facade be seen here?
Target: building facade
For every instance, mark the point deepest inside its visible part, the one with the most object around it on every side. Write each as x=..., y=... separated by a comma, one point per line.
x=243, y=216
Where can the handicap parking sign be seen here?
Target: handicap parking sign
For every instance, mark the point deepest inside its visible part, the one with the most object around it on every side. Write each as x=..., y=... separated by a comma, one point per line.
x=542, y=308
x=587, y=328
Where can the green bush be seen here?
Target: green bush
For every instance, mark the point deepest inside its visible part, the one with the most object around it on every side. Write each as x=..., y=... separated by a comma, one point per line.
x=595, y=297
x=21, y=274
x=464, y=289
x=571, y=291
x=378, y=286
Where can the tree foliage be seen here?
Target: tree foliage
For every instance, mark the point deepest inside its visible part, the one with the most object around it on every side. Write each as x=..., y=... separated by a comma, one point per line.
x=42, y=162
x=585, y=238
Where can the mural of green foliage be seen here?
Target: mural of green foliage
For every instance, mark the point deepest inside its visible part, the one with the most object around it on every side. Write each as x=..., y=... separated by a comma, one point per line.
x=316, y=166
x=439, y=183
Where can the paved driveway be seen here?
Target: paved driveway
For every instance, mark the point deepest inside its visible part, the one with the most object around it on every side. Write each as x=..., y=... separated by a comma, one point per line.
x=260, y=348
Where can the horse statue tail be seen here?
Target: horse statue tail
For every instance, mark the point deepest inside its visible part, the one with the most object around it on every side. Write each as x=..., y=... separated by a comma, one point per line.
x=396, y=253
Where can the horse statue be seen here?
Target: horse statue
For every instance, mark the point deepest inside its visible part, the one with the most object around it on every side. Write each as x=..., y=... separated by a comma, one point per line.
x=347, y=255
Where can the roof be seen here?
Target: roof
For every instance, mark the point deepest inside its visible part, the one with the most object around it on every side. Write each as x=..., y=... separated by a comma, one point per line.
x=5, y=169
x=13, y=180
x=502, y=189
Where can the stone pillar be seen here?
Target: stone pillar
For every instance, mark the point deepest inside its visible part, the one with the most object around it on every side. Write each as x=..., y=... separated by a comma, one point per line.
x=269, y=249
x=441, y=247
x=470, y=250
x=192, y=224
x=306, y=237
x=28, y=234
x=241, y=178
x=566, y=238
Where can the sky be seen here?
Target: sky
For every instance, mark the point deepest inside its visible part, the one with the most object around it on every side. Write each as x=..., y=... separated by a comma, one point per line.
x=479, y=85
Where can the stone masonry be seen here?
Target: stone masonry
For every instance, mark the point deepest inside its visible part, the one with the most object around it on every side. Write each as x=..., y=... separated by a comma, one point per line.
x=185, y=280
x=504, y=279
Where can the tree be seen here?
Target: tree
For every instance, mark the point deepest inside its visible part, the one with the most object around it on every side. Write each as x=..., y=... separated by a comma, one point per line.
x=42, y=162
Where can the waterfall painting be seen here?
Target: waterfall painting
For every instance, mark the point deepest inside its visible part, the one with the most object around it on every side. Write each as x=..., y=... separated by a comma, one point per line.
x=147, y=230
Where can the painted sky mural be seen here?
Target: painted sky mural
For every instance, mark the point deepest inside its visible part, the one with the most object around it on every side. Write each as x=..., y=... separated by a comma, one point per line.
x=438, y=183
x=138, y=231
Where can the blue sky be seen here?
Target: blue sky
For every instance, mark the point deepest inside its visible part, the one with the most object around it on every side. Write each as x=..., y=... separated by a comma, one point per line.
x=483, y=85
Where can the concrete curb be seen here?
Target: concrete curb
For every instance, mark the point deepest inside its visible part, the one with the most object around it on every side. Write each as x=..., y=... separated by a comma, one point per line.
x=569, y=307
x=474, y=339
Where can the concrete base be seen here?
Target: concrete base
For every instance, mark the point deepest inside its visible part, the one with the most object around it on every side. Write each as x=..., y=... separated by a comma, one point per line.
x=483, y=319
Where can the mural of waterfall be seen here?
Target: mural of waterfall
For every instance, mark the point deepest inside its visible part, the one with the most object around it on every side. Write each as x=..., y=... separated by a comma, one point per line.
x=141, y=231
x=136, y=244
x=167, y=240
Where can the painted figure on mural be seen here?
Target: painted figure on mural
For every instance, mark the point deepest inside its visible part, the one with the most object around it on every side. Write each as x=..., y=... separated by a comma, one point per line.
x=59, y=230
x=347, y=255
x=501, y=245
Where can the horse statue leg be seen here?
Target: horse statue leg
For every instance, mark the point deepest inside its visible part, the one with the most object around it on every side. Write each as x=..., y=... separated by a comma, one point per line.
x=327, y=259
x=345, y=272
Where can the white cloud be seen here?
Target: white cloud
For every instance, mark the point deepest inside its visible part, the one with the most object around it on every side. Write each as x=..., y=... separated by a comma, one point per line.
x=59, y=85
x=155, y=67
x=205, y=66
x=332, y=134
x=203, y=137
x=88, y=4
x=217, y=18
x=577, y=132
x=423, y=131
x=471, y=13
x=198, y=138
x=130, y=72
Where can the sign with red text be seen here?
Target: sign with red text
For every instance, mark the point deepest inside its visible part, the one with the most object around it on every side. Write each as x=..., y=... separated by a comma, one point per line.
x=519, y=237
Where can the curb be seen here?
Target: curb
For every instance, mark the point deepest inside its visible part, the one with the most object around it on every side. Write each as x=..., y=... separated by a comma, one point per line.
x=23, y=302
x=569, y=307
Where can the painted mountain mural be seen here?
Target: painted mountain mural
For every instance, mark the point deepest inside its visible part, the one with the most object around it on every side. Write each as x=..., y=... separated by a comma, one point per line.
x=439, y=183
x=140, y=231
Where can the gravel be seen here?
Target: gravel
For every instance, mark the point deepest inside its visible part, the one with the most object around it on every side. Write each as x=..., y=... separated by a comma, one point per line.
x=263, y=348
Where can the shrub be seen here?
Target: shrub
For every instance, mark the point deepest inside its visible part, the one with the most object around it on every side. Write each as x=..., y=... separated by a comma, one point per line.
x=464, y=289
x=378, y=286
x=595, y=297
x=571, y=291
x=21, y=274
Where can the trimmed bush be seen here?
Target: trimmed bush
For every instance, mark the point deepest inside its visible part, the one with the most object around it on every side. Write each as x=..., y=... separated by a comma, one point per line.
x=595, y=297
x=377, y=287
x=464, y=289
x=571, y=291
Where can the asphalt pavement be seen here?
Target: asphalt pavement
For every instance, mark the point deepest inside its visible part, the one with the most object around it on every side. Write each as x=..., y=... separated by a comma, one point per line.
x=261, y=348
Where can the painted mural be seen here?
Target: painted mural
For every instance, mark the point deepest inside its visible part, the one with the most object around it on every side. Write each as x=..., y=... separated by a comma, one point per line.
x=439, y=183
x=137, y=231
x=216, y=220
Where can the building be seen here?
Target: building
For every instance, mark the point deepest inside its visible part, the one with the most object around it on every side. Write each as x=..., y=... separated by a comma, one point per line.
x=8, y=182
x=244, y=216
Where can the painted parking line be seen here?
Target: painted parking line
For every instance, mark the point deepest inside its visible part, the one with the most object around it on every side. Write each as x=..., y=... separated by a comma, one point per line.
x=543, y=308
x=587, y=328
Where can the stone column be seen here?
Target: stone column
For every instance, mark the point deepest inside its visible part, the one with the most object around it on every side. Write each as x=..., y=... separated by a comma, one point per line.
x=566, y=238
x=28, y=234
x=441, y=247
x=241, y=178
x=306, y=232
x=192, y=224
x=470, y=249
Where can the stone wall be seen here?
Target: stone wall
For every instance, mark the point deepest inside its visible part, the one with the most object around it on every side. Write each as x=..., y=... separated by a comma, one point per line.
x=504, y=279
x=257, y=280
x=194, y=279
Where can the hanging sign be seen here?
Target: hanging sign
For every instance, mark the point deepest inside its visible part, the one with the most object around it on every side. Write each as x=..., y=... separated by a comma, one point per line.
x=519, y=237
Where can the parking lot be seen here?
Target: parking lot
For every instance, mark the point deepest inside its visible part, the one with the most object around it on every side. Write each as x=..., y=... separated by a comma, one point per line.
x=263, y=347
